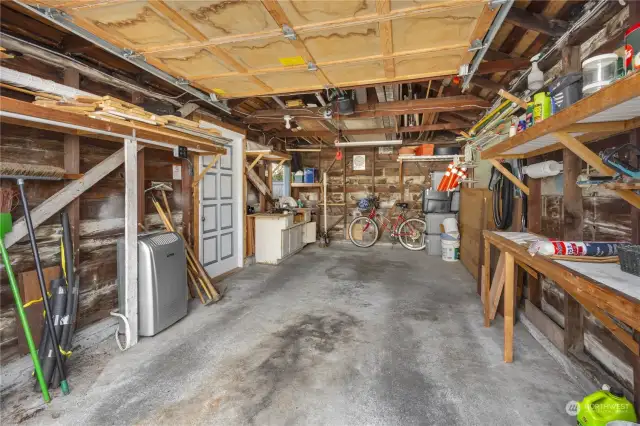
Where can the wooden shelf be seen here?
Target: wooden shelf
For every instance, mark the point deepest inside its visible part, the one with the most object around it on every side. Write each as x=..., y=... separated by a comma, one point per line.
x=27, y=114
x=634, y=186
x=306, y=185
x=614, y=109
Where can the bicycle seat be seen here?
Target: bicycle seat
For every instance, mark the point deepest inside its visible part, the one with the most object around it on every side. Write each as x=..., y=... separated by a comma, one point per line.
x=402, y=205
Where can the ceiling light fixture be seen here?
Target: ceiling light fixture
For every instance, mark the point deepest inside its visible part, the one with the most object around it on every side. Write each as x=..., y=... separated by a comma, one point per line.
x=369, y=143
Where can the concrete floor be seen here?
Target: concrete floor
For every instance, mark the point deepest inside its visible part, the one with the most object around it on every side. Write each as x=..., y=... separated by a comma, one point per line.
x=337, y=336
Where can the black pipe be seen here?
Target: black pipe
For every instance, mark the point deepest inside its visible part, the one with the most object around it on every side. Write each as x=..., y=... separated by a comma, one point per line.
x=502, y=198
x=44, y=334
x=43, y=288
x=67, y=246
x=58, y=302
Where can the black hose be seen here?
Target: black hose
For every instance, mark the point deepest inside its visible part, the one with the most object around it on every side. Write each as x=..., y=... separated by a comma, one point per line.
x=58, y=302
x=65, y=338
x=502, y=198
x=44, y=334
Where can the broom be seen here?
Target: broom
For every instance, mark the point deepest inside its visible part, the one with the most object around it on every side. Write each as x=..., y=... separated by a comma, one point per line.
x=6, y=202
x=21, y=172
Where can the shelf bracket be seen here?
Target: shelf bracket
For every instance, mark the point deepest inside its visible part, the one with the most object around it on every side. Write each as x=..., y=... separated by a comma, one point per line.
x=517, y=182
x=258, y=158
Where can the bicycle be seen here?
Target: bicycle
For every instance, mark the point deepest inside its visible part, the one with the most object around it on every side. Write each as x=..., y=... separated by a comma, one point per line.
x=364, y=231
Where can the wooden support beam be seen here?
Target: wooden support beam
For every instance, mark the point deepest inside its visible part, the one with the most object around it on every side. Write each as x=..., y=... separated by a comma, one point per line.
x=536, y=22
x=458, y=124
x=486, y=281
x=509, y=305
x=60, y=199
x=383, y=7
x=141, y=188
x=450, y=103
x=503, y=65
x=131, y=237
x=517, y=182
x=72, y=166
x=485, y=83
x=578, y=148
x=187, y=198
x=252, y=165
x=202, y=174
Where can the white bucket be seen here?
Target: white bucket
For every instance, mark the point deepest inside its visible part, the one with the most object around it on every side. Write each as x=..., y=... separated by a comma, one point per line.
x=450, y=250
x=450, y=225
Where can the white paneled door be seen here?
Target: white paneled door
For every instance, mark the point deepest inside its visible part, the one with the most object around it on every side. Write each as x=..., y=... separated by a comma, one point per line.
x=219, y=227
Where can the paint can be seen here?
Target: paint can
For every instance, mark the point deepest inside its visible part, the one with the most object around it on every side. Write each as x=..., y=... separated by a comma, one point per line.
x=450, y=250
x=632, y=49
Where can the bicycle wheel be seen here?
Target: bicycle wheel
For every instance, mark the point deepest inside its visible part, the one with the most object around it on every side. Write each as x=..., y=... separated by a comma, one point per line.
x=363, y=231
x=411, y=234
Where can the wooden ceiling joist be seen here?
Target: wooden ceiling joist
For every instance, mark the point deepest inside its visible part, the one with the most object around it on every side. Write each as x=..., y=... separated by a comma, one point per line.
x=451, y=103
x=536, y=22
x=386, y=39
x=375, y=130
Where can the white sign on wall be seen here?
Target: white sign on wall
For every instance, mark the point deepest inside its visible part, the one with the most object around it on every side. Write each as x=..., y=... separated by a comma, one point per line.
x=359, y=162
x=177, y=172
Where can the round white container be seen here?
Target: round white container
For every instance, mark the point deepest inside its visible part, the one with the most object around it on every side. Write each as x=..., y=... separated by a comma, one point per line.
x=450, y=250
x=598, y=72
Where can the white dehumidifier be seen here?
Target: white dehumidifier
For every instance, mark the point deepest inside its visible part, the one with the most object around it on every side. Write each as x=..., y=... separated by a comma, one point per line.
x=162, y=281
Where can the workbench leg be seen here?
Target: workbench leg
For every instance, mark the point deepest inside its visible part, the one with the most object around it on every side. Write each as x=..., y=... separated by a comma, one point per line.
x=509, y=290
x=486, y=283
x=636, y=375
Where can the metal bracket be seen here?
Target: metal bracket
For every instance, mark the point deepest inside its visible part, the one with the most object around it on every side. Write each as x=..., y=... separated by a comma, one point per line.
x=55, y=14
x=494, y=4
x=475, y=45
x=182, y=82
x=463, y=70
x=312, y=67
x=130, y=54
x=288, y=32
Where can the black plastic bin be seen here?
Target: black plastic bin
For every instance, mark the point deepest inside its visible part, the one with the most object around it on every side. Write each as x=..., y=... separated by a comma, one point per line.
x=629, y=259
x=565, y=91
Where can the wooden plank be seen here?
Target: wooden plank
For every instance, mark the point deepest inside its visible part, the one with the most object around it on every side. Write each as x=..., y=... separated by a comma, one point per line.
x=542, y=322
x=485, y=83
x=72, y=165
x=131, y=237
x=502, y=65
x=497, y=286
x=517, y=182
x=605, y=298
x=486, y=279
x=141, y=194
x=195, y=191
x=581, y=151
x=375, y=130
x=201, y=175
x=63, y=197
x=508, y=96
x=620, y=91
x=257, y=182
x=536, y=22
x=449, y=103
x=386, y=38
x=153, y=133
x=509, y=305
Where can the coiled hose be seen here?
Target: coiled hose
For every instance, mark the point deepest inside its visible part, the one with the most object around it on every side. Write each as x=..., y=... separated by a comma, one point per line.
x=502, y=198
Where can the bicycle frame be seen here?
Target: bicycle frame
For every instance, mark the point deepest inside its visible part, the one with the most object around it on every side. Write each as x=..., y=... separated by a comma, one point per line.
x=393, y=229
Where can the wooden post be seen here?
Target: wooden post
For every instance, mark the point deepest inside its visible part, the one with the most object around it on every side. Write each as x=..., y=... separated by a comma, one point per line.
x=344, y=190
x=195, y=193
x=534, y=225
x=401, y=180
x=263, y=199
x=187, y=197
x=634, y=138
x=131, y=237
x=141, y=188
x=509, y=291
x=486, y=282
x=72, y=165
x=269, y=181
x=573, y=217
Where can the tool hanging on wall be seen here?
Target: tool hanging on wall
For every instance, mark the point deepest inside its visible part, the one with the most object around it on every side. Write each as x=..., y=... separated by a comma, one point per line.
x=21, y=173
x=502, y=189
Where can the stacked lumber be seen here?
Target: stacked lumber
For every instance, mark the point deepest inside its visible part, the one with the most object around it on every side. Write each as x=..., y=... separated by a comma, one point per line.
x=108, y=108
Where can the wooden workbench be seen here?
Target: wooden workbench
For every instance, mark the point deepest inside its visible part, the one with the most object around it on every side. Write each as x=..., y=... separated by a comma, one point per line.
x=602, y=288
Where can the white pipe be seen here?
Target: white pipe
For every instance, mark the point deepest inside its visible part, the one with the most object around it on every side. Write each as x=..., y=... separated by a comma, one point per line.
x=37, y=84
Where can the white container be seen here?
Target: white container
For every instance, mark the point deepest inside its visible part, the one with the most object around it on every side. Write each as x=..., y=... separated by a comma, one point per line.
x=434, y=247
x=450, y=225
x=544, y=169
x=598, y=72
x=450, y=250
